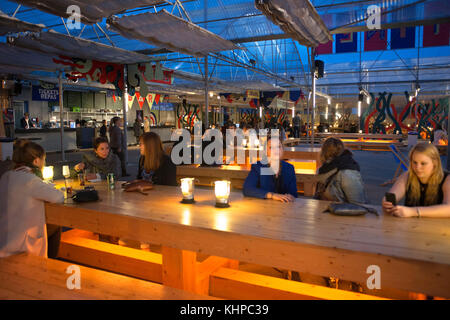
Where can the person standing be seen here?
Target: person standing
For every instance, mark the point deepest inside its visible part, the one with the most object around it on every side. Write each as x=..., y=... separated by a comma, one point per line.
x=117, y=143
x=137, y=128
x=146, y=124
x=103, y=129
x=296, y=123
x=25, y=122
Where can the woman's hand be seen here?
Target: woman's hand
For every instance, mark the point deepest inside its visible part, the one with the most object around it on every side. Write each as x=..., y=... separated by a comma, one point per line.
x=388, y=207
x=80, y=166
x=405, y=212
x=282, y=197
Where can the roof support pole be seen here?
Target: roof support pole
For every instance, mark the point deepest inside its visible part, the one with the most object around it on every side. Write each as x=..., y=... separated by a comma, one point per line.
x=61, y=120
x=448, y=130
x=313, y=77
x=206, y=120
x=125, y=111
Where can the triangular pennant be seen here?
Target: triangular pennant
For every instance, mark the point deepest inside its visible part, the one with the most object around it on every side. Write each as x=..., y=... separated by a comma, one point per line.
x=140, y=99
x=150, y=99
x=130, y=101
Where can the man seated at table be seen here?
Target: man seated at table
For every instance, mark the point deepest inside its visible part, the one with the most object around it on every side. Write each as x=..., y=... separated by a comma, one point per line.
x=280, y=185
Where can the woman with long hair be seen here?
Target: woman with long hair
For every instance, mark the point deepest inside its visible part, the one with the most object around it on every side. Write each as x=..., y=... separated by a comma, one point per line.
x=425, y=186
x=339, y=177
x=154, y=164
x=22, y=196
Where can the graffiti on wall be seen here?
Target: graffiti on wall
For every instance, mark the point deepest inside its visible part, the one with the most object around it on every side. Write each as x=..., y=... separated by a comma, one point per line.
x=421, y=117
x=187, y=114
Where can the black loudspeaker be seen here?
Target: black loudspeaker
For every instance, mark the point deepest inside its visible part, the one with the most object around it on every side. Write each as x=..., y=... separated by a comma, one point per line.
x=17, y=88
x=319, y=68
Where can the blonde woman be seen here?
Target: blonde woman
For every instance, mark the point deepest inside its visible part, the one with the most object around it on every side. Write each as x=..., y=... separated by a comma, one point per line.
x=425, y=186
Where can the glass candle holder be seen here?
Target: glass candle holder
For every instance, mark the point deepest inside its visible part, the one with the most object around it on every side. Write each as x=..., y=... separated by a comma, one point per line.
x=222, y=192
x=187, y=189
x=244, y=142
x=66, y=171
x=47, y=173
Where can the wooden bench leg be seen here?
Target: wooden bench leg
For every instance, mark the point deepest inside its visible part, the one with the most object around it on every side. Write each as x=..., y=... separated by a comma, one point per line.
x=308, y=189
x=179, y=268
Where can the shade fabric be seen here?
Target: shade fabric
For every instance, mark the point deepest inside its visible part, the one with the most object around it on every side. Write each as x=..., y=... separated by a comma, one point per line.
x=91, y=11
x=298, y=18
x=21, y=58
x=171, y=32
x=9, y=24
x=60, y=44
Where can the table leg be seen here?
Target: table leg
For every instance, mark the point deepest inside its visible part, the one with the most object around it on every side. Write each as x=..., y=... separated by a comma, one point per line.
x=179, y=268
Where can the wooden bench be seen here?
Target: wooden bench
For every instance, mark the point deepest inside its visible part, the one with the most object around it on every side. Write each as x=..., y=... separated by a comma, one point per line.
x=215, y=275
x=26, y=276
x=235, y=284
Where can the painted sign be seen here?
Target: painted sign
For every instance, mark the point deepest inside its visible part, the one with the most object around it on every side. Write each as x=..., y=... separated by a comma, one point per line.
x=40, y=93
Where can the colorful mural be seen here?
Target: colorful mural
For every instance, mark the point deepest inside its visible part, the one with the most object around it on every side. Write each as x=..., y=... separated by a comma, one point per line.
x=187, y=114
x=417, y=116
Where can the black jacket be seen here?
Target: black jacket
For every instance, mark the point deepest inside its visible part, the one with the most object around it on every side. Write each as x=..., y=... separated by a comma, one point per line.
x=166, y=174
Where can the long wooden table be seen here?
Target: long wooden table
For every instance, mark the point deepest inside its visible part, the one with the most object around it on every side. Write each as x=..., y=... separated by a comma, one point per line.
x=412, y=254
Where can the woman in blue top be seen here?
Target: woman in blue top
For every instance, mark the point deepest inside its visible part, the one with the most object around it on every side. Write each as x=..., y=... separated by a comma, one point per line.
x=262, y=182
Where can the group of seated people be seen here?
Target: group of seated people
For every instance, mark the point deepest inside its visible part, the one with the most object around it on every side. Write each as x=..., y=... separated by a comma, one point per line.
x=425, y=186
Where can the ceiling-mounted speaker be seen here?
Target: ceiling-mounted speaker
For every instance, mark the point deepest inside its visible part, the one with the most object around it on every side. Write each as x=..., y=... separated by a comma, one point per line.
x=319, y=66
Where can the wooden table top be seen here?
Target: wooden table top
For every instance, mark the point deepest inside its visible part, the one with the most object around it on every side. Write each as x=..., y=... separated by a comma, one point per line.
x=302, y=221
x=413, y=254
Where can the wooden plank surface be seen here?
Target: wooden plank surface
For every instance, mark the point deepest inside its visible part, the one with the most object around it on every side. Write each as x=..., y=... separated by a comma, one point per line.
x=298, y=235
x=23, y=276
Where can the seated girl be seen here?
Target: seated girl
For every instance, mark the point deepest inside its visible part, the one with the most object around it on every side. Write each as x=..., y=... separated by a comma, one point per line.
x=22, y=196
x=100, y=162
x=425, y=186
x=339, y=178
x=154, y=164
x=280, y=185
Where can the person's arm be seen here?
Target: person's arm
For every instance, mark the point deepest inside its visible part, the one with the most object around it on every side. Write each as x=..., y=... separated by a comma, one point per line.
x=436, y=211
x=139, y=174
x=250, y=188
x=291, y=182
x=169, y=173
x=45, y=192
x=399, y=189
x=117, y=167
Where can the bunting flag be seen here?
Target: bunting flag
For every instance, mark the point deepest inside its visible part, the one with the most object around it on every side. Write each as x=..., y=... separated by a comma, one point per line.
x=157, y=97
x=150, y=100
x=254, y=103
x=375, y=40
x=140, y=99
x=436, y=35
x=346, y=42
x=402, y=38
x=325, y=48
x=130, y=101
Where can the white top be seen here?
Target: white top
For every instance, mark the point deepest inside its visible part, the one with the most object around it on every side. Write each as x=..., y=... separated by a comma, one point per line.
x=22, y=213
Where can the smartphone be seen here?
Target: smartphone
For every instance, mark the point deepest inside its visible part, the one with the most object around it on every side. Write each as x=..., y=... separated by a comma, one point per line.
x=390, y=197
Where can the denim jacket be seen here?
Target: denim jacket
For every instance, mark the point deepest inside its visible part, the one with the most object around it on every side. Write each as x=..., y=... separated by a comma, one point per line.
x=344, y=186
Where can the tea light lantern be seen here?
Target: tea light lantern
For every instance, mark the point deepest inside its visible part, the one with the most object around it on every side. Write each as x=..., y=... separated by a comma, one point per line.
x=66, y=171
x=47, y=173
x=244, y=142
x=222, y=191
x=187, y=189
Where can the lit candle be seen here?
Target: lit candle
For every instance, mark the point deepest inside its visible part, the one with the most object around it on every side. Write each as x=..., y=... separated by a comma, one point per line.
x=66, y=171
x=222, y=191
x=187, y=189
x=47, y=173
x=244, y=142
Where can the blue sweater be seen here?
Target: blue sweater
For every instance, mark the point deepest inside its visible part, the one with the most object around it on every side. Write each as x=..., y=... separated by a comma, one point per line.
x=257, y=185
